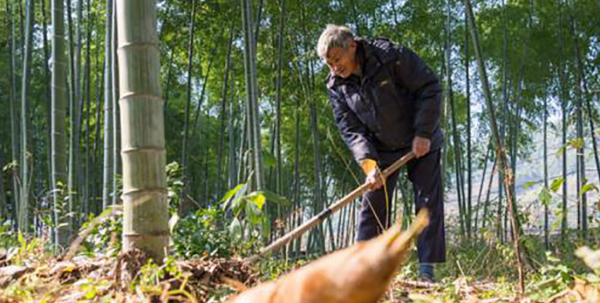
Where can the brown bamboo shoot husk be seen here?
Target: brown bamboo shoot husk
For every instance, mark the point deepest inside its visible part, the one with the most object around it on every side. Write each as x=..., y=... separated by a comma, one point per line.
x=358, y=274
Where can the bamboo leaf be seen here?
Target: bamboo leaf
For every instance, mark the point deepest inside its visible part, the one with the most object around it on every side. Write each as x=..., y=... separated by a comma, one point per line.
x=529, y=184
x=576, y=143
x=588, y=187
x=556, y=224
x=556, y=184
x=234, y=193
x=257, y=198
x=545, y=197
x=253, y=214
x=275, y=198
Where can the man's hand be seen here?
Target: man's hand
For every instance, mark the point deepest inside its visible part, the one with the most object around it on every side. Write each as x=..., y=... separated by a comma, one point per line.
x=420, y=146
x=374, y=176
x=376, y=179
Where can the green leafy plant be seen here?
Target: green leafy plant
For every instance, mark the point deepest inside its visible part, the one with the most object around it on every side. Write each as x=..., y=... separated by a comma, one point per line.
x=106, y=235
x=202, y=234
x=248, y=209
x=174, y=185
x=552, y=277
x=7, y=236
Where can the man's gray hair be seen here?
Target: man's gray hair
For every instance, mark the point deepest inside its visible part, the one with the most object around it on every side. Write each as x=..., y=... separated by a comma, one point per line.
x=334, y=36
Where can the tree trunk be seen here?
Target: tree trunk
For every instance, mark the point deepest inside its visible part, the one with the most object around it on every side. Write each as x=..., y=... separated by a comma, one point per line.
x=23, y=215
x=114, y=61
x=503, y=118
x=546, y=242
x=562, y=101
x=296, y=246
x=3, y=204
x=457, y=153
x=252, y=93
x=96, y=185
x=146, y=213
x=489, y=190
x=485, y=162
x=280, y=48
x=184, y=207
x=517, y=119
x=232, y=159
x=87, y=185
x=59, y=111
x=469, y=156
x=502, y=161
x=582, y=90
x=221, y=145
x=108, y=114
x=48, y=93
x=72, y=189
x=581, y=179
x=14, y=123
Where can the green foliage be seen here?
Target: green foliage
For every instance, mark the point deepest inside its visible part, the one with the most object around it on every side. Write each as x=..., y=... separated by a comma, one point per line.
x=552, y=277
x=248, y=208
x=106, y=235
x=27, y=249
x=7, y=236
x=529, y=184
x=174, y=185
x=152, y=277
x=202, y=234
x=273, y=268
x=545, y=197
x=556, y=184
x=588, y=187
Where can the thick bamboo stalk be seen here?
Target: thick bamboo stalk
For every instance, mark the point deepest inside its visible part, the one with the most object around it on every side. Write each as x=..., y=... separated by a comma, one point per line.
x=328, y=211
x=146, y=213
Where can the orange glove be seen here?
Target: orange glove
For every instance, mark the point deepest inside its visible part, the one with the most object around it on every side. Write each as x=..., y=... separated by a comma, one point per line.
x=368, y=165
x=371, y=169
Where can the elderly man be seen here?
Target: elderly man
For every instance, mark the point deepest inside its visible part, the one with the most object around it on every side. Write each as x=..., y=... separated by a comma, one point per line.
x=387, y=102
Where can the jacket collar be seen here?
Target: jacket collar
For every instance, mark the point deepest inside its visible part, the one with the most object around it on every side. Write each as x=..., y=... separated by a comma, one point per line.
x=370, y=57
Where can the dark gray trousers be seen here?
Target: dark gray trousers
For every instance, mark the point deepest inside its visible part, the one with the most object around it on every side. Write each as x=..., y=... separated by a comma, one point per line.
x=425, y=175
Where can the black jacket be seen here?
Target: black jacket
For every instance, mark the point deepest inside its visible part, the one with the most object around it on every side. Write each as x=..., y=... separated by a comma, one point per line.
x=396, y=98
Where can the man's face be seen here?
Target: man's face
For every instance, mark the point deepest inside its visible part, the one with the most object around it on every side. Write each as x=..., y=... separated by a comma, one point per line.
x=340, y=61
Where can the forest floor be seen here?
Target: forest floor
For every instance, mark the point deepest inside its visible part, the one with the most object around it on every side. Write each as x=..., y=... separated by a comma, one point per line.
x=477, y=272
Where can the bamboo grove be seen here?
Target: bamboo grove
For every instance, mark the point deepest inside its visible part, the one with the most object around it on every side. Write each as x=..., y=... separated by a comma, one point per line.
x=245, y=108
